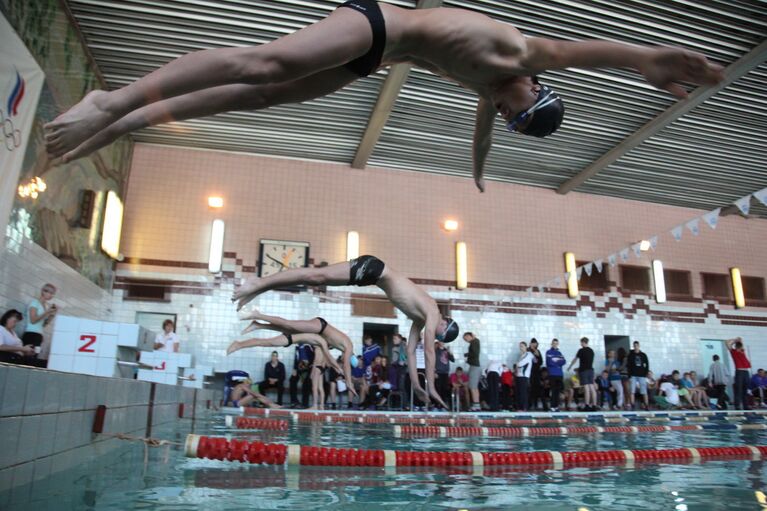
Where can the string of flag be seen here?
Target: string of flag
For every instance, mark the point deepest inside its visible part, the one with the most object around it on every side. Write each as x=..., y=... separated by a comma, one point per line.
x=711, y=219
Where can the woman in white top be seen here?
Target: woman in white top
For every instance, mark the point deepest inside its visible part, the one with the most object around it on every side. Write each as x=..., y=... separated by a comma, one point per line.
x=522, y=381
x=39, y=313
x=168, y=340
x=12, y=350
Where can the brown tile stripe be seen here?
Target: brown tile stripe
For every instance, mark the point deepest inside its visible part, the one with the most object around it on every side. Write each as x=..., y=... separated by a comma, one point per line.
x=582, y=302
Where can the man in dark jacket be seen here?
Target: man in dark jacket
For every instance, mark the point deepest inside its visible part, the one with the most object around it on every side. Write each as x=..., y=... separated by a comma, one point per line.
x=638, y=366
x=274, y=377
x=554, y=363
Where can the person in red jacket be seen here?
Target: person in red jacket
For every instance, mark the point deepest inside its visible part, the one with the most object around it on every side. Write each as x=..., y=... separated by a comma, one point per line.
x=742, y=371
x=507, y=387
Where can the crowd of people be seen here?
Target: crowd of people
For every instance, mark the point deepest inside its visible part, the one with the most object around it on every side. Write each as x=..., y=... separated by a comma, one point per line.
x=538, y=379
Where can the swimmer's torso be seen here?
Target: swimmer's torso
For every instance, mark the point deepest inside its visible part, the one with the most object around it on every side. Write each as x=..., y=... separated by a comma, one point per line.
x=464, y=46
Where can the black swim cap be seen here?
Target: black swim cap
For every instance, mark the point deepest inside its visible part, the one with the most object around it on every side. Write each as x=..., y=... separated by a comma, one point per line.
x=451, y=331
x=548, y=113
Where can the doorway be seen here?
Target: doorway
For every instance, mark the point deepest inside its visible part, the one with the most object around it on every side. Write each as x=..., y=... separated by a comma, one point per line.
x=382, y=335
x=615, y=342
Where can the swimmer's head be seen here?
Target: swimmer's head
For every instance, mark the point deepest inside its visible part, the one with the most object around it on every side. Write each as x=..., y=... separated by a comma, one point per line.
x=447, y=330
x=528, y=107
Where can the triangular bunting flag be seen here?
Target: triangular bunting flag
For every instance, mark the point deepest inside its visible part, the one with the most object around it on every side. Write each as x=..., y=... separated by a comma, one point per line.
x=588, y=267
x=676, y=232
x=637, y=248
x=625, y=254
x=712, y=217
x=579, y=272
x=653, y=242
x=557, y=282
x=598, y=264
x=693, y=226
x=761, y=195
x=612, y=259
x=744, y=204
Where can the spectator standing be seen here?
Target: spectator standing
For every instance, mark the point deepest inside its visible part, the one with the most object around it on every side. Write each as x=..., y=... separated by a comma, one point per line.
x=554, y=363
x=399, y=360
x=585, y=358
x=535, y=374
x=442, y=366
x=274, y=377
x=718, y=381
x=742, y=371
x=168, y=340
x=493, y=371
x=472, y=358
x=370, y=350
x=614, y=381
x=638, y=366
x=605, y=388
x=522, y=379
x=39, y=313
x=302, y=363
x=507, y=387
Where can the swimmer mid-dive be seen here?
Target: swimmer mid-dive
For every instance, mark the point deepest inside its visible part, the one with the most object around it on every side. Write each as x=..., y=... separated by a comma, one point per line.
x=333, y=336
x=285, y=340
x=367, y=270
x=488, y=57
x=245, y=393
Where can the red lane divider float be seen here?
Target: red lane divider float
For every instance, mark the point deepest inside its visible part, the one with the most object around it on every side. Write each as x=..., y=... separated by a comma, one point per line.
x=218, y=448
x=251, y=423
x=458, y=431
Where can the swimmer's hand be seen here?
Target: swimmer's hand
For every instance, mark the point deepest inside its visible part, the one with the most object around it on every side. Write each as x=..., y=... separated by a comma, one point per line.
x=666, y=67
x=480, y=182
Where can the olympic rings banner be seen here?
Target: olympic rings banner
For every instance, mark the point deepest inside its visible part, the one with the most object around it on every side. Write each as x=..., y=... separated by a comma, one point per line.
x=21, y=80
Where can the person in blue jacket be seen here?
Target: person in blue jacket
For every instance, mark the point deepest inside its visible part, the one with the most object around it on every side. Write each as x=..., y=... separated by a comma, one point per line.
x=554, y=362
x=370, y=350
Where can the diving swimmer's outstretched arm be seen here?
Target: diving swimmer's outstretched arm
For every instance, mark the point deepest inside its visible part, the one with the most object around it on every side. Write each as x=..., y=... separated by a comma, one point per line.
x=662, y=66
x=483, y=138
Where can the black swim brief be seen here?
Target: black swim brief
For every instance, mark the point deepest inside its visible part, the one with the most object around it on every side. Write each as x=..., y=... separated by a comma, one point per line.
x=324, y=325
x=365, y=270
x=290, y=339
x=369, y=62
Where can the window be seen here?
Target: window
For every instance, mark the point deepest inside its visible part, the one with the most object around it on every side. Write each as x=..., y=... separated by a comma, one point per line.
x=636, y=278
x=678, y=282
x=372, y=306
x=147, y=290
x=753, y=288
x=597, y=281
x=716, y=285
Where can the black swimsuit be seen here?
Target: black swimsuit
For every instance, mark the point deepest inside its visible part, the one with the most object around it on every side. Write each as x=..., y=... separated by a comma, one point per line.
x=290, y=340
x=365, y=270
x=324, y=325
x=369, y=62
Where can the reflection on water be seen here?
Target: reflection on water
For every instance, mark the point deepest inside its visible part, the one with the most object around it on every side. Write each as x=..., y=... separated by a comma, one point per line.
x=133, y=477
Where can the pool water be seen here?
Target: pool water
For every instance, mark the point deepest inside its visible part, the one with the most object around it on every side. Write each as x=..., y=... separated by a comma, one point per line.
x=136, y=477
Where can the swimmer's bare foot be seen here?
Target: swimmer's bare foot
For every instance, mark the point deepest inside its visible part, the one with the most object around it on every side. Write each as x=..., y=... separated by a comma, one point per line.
x=437, y=399
x=254, y=325
x=422, y=395
x=235, y=346
x=246, y=291
x=101, y=139
x=78, y=124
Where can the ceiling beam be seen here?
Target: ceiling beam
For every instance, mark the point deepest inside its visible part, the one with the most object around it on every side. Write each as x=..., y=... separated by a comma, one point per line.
x=733, y=72
x=390, y=90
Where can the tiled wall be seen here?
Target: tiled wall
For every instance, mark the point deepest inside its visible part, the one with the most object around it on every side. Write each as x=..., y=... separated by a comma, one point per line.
x=46, y=417
x=516, y=237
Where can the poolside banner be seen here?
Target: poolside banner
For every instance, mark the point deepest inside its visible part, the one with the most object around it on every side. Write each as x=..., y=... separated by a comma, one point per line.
x=744, y=204
x=712, y=217
x=21, y=80
x=694, y=226
x=761, y=195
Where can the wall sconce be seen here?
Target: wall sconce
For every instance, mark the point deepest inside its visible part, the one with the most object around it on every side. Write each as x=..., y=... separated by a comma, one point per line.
x=215, y=202
x=572, y=277
x=450, y=225
x=737, y=288
x=461, y=266
x=35, y=187
x=352, y=245
x=659, y=280
x=216, y=246
x=113, y=222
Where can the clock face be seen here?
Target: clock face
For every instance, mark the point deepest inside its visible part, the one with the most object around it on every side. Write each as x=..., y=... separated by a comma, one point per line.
x=277, y=256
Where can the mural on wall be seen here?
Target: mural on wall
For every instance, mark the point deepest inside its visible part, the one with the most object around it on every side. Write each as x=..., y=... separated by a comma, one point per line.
x=53, y=216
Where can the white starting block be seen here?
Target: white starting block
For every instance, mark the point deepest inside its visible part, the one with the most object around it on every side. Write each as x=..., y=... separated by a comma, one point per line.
x=164, y=367
x=195, y=376
x=98, y=348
